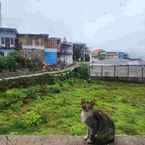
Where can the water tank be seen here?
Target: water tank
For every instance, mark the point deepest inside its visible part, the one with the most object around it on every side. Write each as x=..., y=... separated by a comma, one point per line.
x=50, y=56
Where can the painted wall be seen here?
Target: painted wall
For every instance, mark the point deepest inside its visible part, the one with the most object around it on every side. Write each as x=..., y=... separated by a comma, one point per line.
x=66, y=59
x=7, y=43
x=50, y=56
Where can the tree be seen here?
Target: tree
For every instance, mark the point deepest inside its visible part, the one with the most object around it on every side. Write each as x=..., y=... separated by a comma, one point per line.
x=101, y=55
x=2, y=63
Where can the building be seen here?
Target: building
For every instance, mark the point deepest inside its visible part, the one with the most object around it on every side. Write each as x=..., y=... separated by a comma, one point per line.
x=53, y=47
x=123, y=55
x=50, y=56
x=32, y=46
x=80, y=52
x=116, y=55
x=66, y=53
x=32, y=41
x=8, y=40
x=54, y=42
x=98, y=53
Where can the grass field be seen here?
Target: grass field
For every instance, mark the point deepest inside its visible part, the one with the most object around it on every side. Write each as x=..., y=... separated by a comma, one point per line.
x=55, y=108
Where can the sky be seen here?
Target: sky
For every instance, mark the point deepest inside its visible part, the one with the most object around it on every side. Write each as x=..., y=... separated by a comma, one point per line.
x=117, y=25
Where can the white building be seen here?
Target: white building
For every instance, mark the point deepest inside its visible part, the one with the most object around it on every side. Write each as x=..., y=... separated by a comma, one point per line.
x=66, y=55
x=8, y=38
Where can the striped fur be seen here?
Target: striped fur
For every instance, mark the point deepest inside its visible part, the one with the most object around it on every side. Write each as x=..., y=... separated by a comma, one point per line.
x=101, y=129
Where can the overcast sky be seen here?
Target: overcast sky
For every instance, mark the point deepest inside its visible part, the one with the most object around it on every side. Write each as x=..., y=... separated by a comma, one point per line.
x=110, y=24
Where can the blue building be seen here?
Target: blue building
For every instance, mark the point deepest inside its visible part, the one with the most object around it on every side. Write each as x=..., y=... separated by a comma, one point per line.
x=116, y=55
x=8, y=42
x=50, y=56
x=122, y=55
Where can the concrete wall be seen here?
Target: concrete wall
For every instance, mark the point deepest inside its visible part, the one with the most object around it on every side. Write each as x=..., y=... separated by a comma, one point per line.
x=119, y=71
x=65, y=140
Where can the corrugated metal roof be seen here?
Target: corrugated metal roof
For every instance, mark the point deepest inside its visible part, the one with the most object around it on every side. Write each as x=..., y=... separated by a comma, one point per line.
x=9, y=30
x=34, y=35
x=118, y=62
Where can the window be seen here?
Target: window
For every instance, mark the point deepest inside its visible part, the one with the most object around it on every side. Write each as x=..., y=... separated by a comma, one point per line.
x=3, y=41
x=29, y=41
x=12, y=41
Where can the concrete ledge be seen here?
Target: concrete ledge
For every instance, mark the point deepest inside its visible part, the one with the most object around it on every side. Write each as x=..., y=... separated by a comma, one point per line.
x=64, y=140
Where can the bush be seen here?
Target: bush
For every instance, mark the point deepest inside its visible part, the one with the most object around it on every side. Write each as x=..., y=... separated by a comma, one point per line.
x=4, y=130
x=31, y=93
x=43, y=89
x=82, y=72
x=19, y=124
x=32, y=118
x=9, y=62
x=44, y=117
x=2, y=63
x=54, y=90
x=11, y=98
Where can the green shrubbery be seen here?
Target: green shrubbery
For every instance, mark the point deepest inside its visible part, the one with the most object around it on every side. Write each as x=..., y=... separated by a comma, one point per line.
x=14, y=61
x=82, y=72
x=54, y=90
x=9, y=62
x=32, y=118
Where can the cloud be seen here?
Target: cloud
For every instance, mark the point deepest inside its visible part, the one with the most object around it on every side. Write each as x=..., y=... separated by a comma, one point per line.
x=91, y=27
x=116, y=24
x=121, y=31
x=134, y=7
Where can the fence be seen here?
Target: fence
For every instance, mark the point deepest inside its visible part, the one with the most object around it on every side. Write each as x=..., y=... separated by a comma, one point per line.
x=120, y=72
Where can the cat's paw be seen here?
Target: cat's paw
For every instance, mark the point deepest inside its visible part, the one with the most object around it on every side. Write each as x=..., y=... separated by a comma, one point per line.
x=89, y=141
x=86, y=137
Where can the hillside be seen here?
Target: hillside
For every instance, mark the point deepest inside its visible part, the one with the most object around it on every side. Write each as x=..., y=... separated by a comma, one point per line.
x=55, y=108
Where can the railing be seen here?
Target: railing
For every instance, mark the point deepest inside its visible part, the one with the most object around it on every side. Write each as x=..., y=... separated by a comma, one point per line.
x=14, y=76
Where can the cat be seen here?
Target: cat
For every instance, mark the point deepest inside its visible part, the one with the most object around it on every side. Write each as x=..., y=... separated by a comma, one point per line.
x=101, y=128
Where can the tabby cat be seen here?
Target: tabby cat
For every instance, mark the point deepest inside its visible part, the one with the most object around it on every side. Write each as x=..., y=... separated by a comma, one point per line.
x=101, y=129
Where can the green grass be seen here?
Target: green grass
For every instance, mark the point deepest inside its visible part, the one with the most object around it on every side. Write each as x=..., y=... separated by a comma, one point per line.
x=55, y=109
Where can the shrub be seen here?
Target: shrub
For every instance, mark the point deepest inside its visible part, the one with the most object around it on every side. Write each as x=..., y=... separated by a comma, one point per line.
x=31, y=93
x=43, y=89
x=12, y=98
x=32, y=118
x=83, y=72
x=71, y=82
x=4, y=130
x=2, y=63
x=54, y=90
x=44, y=117
x=19, y=124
